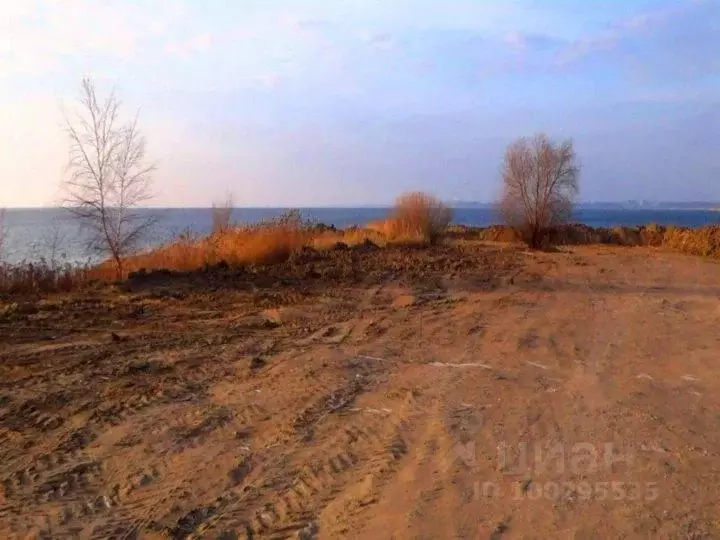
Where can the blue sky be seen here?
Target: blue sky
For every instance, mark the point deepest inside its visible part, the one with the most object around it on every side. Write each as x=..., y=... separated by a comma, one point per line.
x=315, y=102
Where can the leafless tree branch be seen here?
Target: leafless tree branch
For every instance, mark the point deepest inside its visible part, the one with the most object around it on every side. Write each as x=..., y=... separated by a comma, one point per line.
x=222, y=215
x=108, y=175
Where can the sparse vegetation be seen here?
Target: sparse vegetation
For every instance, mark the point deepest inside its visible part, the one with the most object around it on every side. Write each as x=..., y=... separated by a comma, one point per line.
x=540, y=183
x=352, y=236
x=416, y=217
x=262, y=243
x=268, y=242
x=703, y=241
x=109, y=176
x=276, y=240
x=50, y=272
x=41, y=277
x=222, y=215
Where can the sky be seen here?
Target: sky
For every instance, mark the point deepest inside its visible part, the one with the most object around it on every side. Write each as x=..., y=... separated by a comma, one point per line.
x=351, y=102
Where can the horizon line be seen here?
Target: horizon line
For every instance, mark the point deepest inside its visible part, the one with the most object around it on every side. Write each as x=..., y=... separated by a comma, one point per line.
x=457, y=204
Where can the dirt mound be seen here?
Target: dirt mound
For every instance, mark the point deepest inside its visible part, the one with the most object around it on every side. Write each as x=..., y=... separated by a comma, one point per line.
x=308, y=269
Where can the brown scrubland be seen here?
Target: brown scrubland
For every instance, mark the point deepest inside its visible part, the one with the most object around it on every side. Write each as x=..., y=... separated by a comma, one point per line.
x=407, y=379
x=276, y=241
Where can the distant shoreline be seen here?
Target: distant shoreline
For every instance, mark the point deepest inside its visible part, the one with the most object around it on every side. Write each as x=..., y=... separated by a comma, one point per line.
x=35, y=233
x=459, y=205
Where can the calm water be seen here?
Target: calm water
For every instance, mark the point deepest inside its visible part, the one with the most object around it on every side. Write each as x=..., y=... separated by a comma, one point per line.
x=35, y=233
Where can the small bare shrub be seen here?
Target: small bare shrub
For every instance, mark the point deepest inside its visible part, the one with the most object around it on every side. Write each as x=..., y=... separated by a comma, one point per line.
x=498, y=233
x=627, y=236
x=652, y=235
x=222, y=215
x=416, y=217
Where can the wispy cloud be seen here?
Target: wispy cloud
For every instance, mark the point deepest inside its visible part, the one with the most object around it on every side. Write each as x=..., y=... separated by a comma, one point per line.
x=679, y=39
x=36, y=40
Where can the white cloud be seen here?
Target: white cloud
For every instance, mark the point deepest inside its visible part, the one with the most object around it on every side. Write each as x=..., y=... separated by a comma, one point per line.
x=47, y=34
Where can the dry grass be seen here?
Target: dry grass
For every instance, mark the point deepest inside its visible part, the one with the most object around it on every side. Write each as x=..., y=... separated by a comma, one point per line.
x=264, y=243
x=416, y=218
x=352, y=236
x=269, y=242
x=41, y=277
x=414, y=221
x=704, y=241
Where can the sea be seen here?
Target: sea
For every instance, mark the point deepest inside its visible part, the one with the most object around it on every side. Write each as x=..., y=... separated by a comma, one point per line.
x=52, y=233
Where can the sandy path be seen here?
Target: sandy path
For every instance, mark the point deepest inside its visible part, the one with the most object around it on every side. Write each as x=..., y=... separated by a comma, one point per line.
x=577, y=400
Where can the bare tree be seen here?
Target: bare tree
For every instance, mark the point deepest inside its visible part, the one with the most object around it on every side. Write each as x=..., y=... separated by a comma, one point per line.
x=109, y=176
x=221, y=215
x=540, y=183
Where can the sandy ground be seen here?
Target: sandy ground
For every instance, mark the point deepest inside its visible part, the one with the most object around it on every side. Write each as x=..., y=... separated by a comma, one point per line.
x=469, y=391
